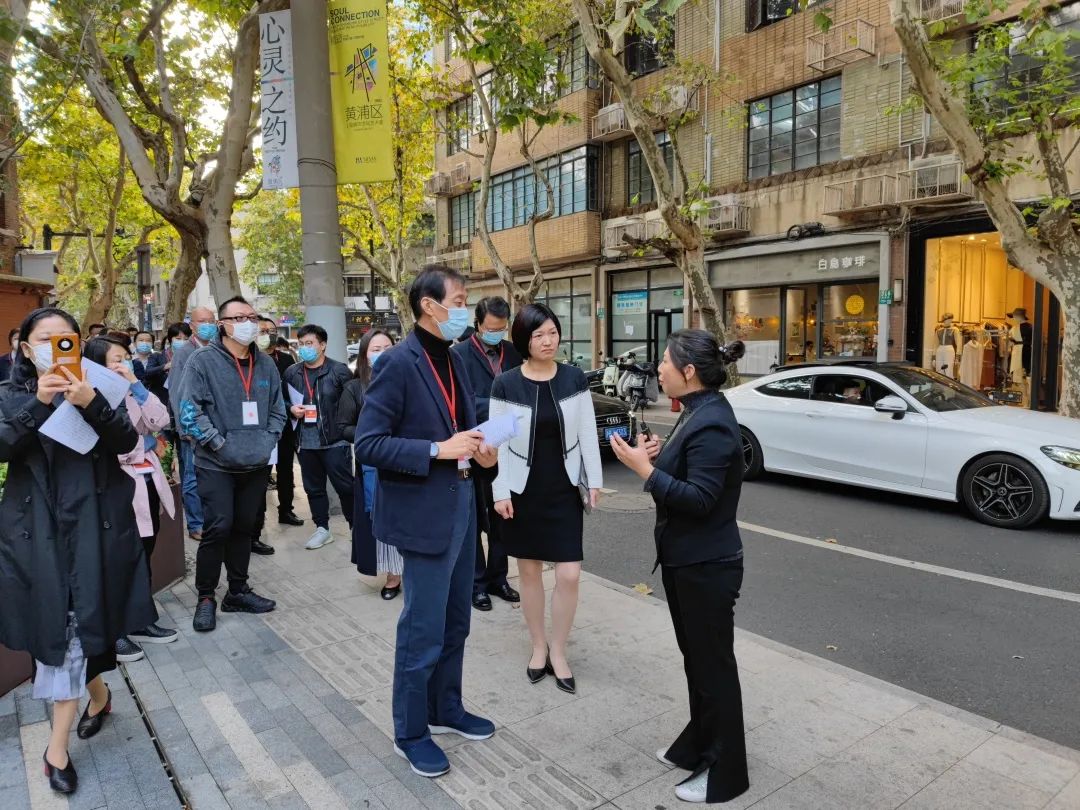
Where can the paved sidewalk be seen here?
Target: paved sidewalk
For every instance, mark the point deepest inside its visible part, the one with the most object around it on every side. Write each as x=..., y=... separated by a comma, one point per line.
x=293, y=710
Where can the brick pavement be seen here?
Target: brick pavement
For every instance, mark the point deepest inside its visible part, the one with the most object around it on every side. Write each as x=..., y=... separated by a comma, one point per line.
x=293, y=710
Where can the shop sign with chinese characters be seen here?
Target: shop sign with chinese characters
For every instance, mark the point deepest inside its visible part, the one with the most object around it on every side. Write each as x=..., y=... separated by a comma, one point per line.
x=278, y=101
x=841, y=262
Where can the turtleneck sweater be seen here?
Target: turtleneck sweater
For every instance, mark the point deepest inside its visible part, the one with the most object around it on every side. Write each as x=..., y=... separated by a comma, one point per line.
x=438, y=351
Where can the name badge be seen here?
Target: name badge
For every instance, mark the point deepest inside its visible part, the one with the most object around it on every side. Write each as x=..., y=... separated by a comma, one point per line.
x=311, y=414
x=251, y=413
x=463, y=464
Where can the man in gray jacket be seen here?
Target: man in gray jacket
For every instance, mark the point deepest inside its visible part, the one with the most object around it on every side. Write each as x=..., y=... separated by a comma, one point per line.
x=229, y=405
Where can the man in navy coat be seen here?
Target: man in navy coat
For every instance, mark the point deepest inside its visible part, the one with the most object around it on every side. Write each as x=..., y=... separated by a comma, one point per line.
x=487, y=354
x=416, y=429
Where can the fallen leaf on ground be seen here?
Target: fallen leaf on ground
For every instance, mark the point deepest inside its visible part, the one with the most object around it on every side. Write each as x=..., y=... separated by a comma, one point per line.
x=830, y=539
x=642, y=588
x=1018, y=658
x=831, y=647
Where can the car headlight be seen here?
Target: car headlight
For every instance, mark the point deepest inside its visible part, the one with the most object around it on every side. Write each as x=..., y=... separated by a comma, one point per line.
x=1069, y=456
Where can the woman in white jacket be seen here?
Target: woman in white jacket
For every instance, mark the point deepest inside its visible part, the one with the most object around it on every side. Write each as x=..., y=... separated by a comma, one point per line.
x=547, y=475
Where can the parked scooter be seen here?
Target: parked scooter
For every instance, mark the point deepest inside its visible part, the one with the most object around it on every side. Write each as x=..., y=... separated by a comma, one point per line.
x=639, y=385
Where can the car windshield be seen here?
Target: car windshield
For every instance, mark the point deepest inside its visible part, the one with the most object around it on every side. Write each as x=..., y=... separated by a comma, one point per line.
x=936, y=391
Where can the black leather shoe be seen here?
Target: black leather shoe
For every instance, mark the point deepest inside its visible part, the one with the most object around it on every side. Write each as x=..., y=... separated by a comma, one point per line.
x=504, y=592
x=62, y=780
x=259, y=547
x=390, y=593
x=481, y=601
x=565, y=684
x=290, y=519
x=89, y=726
x=536, y=675
x=205, y=615
x=247, y=602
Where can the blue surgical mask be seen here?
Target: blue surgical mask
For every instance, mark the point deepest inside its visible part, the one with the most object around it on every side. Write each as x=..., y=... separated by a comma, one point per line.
x=493, y=338
x=144, y=348
x=130, y=366
x=307, y=354
x=178, y=344
x=373, y=358
x=207, y=331
x=454, y=326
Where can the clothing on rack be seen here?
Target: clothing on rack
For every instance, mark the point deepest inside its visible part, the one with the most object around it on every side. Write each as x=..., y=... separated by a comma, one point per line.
x=971, y=363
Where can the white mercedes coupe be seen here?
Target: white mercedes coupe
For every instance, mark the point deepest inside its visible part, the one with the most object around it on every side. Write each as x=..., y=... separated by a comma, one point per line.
x=896, y=427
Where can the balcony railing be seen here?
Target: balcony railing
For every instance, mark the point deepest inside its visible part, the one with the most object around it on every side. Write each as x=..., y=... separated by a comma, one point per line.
x=725, y=220
x=460, y=176
x=610, y=123
x=860, y=195
x=675, y=99
x=614, y=234
x=460, y=260
x=842, y=44
x=938, y=182
x=438, y=185
x=935, y=10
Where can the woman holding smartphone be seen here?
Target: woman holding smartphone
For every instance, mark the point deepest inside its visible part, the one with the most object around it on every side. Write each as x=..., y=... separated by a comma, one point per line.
x=72, y=577
x=695, y=481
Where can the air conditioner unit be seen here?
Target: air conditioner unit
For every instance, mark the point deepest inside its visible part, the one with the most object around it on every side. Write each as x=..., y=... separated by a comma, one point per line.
x=460, y=175
x=609, y=124
x=674, y=100
x=939, y=178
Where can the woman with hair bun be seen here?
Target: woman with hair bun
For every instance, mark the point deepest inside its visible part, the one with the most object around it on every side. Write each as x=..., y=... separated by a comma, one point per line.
x=695, y=481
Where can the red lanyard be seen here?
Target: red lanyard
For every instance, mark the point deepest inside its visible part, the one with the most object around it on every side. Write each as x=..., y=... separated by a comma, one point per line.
x=451, y=397
x=251, y=373
x=496, y=368
x=310, y=391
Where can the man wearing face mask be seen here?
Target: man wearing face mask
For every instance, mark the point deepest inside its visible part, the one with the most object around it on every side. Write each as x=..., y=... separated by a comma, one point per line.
x=142, y=347
x=324, y=452
x=204, y=329
x=229, y=405
x=486, y=354
x=415, y=429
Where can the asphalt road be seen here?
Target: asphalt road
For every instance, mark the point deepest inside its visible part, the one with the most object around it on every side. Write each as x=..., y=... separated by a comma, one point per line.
x=1012, y=656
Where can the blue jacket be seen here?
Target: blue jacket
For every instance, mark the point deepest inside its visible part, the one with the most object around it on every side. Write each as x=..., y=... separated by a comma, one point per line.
x=403, y=413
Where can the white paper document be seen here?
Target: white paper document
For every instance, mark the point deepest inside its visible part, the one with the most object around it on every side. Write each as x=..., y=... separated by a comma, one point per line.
x=111, y=385
x=500, y=430
x=295, y=398
x=67, y=427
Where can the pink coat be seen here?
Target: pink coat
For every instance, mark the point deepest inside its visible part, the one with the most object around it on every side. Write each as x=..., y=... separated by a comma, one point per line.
x=150, y=417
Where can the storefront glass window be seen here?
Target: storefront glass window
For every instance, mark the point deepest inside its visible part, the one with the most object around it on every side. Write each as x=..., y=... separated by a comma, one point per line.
x=802, y=324
x=645, y=306
x=755, y=316
x=571, y=300
x=851, y=324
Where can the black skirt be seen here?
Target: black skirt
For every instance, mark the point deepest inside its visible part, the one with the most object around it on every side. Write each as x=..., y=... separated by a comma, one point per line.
x=547, y=522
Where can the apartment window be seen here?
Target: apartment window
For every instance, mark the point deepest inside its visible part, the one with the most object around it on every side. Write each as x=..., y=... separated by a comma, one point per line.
x=459, y=124
x=462, y=211
x=647, y=53
x=265, y=282
x=639, y=182
x=794, y=129
x=1022, y=78
x=573, y=63
x=516, y=195
x=760, y=13
x=359, y=286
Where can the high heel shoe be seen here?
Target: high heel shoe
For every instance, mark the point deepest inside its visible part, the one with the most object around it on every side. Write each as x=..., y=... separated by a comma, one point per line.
x=537, y=675
x=89, y=726
x=62, y=780
x=566, y=684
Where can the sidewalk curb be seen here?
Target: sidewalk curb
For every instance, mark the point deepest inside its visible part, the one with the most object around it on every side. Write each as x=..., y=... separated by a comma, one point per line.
x=954, y=712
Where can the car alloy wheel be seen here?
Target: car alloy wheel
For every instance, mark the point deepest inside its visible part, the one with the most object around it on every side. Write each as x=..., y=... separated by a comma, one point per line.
x=1005, y=491
x=753, y=463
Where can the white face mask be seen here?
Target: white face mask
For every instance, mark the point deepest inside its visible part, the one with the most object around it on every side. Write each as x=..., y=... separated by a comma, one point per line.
x=245, y=332
x=43, y=356
x=263, y=342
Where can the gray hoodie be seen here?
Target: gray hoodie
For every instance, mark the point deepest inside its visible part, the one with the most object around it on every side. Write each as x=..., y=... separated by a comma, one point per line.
x=209, y=409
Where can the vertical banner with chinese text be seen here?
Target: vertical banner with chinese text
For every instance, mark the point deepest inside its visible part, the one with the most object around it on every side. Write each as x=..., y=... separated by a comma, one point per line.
x=278, y=101
x=360, y=91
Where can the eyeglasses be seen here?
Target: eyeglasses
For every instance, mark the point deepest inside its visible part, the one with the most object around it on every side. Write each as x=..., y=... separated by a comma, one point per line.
x=242, y=318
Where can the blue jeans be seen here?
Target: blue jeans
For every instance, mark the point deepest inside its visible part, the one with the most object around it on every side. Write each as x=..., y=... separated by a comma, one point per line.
x=192, y=503
x=433, y=627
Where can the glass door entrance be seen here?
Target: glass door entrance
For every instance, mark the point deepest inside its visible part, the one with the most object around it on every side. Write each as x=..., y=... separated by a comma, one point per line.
x=661, y=324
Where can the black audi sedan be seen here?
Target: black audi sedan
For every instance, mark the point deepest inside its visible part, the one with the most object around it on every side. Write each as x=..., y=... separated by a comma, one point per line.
x=612, y=416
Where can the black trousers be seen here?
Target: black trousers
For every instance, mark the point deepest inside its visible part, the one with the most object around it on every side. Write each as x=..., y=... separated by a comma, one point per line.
x=231, y=505
x=701, y=599
x=149, y=543
x=286, y=455
x=489, y=573
x=335, y=464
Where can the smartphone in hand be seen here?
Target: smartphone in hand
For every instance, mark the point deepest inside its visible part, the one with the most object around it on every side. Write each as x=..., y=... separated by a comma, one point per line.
x=67, y=353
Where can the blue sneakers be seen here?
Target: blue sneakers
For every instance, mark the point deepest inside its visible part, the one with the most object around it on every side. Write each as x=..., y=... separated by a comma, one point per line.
x=425, y=758
x=469, y=726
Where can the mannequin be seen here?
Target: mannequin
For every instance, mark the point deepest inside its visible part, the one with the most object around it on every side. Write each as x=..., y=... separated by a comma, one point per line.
x=971, y=361
x=1020, y=341
x=948, y=346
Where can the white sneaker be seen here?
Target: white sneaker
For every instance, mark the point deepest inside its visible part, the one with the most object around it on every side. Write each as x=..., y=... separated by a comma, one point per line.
x=660, y=756
x=320, y=538
x=694, y=789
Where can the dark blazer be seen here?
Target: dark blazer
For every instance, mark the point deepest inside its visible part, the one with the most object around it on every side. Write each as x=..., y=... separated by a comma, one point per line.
x=480, y=372
x=696, y=485
x=403, y=413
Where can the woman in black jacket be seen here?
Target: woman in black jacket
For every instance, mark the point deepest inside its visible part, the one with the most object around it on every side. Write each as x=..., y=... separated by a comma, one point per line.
x=72, y=570
x=695, y=481
x=370, y=556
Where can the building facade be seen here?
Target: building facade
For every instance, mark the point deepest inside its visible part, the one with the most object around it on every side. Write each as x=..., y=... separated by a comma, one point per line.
x=838, y=225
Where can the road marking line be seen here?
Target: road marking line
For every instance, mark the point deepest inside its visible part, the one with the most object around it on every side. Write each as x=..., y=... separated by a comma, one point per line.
x=997, y=582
